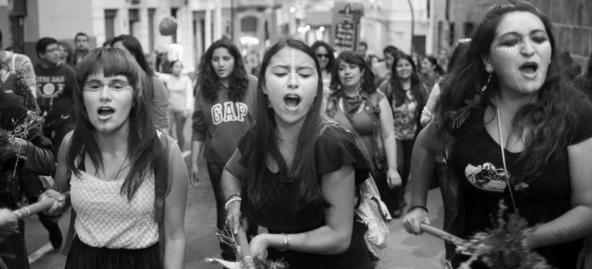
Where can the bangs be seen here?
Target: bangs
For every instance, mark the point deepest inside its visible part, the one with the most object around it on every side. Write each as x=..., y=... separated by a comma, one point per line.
x=110, y=62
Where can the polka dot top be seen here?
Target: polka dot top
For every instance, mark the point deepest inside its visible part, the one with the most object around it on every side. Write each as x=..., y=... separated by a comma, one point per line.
x=106, y=218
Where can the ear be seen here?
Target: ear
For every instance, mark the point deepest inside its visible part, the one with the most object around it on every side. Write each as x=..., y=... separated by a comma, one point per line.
x=487, y=64
x=264, y=89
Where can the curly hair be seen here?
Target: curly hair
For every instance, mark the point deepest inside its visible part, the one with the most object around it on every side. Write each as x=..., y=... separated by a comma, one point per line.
x=208, y=80
x=352, y=57
x=550, y=120
x=399, y=93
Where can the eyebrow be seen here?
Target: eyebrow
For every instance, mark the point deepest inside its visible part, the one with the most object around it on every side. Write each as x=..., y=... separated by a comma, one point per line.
x=535, y=31
x=113, y=80
x=285, y=66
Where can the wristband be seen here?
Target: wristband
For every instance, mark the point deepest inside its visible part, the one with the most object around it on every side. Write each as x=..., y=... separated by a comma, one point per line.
x=285, y=243
x=417, y=206
x=233, y=198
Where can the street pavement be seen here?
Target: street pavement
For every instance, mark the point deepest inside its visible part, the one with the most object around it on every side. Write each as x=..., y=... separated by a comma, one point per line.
x=405, y=251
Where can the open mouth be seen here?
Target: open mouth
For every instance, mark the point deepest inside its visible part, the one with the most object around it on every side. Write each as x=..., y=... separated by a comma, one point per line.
x=105, y=111
x=292, y=100
x=529, y=67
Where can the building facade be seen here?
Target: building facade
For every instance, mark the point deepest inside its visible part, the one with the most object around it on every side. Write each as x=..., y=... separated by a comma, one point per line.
x=572, y=23
x=250, y=23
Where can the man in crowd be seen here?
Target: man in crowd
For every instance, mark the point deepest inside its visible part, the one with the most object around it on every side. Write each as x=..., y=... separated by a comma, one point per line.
x=82, y=48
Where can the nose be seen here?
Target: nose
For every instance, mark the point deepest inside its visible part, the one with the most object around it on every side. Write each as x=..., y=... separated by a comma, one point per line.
x=527, y=48
x=292, y=81
x=105, y=95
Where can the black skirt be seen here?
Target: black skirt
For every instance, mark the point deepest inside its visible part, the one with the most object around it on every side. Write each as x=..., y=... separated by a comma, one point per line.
x=83, y=256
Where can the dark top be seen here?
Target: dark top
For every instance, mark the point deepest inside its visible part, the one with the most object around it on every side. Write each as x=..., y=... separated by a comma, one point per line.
x=37, y=156
x=55, y=86
x=335, y=148
x=476, y=158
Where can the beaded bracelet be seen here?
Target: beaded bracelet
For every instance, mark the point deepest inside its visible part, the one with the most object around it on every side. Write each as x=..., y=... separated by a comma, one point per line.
x=233, y=198
x=417, y=206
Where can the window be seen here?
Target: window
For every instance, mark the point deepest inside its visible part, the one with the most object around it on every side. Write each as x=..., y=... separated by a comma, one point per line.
x=134, y=17
x=151, y=12
x=110, y=15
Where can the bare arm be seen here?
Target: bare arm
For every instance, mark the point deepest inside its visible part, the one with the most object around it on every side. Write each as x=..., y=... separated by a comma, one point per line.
x=577, y=222
x=174, y=212
x=387, y=128
x=428, y=109
x=423, y=159
x=61, y=189
x=231, y=185
x=332, y=238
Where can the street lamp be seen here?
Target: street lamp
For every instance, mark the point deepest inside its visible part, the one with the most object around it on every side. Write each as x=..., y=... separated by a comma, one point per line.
x=412, y=24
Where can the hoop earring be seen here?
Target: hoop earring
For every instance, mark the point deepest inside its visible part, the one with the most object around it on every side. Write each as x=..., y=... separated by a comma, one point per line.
x=484, y=88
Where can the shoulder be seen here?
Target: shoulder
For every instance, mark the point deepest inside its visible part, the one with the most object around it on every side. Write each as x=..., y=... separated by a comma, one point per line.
x=582, y=120
x=158, y=81
x=335, y=141
x=336, y=147
x=24, y=59
x=252, y=79
x=247, y=140
x=252, y=82
x=68, y=70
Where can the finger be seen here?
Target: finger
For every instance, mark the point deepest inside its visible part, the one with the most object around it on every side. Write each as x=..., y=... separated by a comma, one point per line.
x=235, y=225
x=426, y=220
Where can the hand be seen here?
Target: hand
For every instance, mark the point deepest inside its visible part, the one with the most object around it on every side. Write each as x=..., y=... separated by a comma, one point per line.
x=58, y=204
x=8, y=222
x=393, y=178
x=259, y=246
x=233, y=217
x=193, y=178
x=413, y=219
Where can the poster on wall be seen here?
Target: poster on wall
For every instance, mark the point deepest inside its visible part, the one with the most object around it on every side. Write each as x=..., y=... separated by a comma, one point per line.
x=346, y=18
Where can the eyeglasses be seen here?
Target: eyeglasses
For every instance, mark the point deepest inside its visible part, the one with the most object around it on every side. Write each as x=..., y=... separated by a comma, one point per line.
x=322, y=55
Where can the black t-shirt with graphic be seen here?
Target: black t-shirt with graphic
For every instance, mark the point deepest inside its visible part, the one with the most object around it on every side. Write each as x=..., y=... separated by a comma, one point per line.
x=476, y=157
x=55, y=86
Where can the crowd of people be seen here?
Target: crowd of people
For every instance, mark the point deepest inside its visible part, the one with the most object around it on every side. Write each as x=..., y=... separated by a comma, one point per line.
x=504, y=118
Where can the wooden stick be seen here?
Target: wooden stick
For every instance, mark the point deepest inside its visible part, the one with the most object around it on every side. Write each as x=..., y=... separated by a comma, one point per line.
x=442, y=234
x=35, y=208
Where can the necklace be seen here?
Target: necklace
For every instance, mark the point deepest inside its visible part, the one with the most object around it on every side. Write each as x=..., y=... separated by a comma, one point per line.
x=502, y=148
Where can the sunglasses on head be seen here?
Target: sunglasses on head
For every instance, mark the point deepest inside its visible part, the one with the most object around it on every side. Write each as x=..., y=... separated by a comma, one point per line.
x=322, y=55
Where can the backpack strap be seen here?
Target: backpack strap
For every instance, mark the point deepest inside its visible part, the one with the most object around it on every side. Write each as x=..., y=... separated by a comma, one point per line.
x=161, y=189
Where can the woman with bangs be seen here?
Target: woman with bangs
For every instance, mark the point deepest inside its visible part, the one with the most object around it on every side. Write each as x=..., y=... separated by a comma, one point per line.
x=108, y=170
x=512, y=130
x=302, y=171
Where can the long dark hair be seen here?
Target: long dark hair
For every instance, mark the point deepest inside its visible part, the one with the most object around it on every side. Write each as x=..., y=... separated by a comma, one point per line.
x=552, y=117
x=352, y=57
x=208, y=80
x=257, y=188
x=398, y=93
x=143, y=144
x=133, y=45
x=330, y=52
